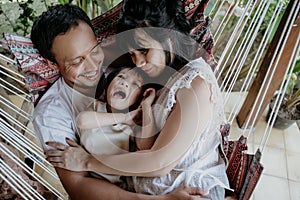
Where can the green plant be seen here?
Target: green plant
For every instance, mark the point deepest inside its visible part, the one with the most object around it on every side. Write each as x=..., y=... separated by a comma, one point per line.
x=17, y=16
x=289, y=109
x=93, y=8
x=293, y=89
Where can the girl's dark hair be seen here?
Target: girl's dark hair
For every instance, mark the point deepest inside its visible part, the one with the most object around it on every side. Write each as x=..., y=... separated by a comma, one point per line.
x=106, y=80
x=56, y=20
x=164, y=21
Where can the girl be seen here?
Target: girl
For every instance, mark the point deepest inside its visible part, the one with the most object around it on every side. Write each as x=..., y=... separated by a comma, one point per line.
x=108, y=129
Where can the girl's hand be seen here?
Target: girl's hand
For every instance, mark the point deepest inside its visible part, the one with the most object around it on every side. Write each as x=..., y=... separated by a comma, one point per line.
x=130, y=117
x=73, y=157
x=149, y=96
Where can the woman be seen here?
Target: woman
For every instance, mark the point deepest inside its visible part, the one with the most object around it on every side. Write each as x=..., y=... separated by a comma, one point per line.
x=188, y=111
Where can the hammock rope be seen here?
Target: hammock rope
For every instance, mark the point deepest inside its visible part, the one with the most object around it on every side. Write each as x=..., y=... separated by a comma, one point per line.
x=244, y=48
x=260, y=51
x=16, y=130
x=232, y=40
x=267, y=81
x=279, y=98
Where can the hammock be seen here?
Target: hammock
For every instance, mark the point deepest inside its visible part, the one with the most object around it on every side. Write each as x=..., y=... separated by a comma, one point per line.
x=28, y=75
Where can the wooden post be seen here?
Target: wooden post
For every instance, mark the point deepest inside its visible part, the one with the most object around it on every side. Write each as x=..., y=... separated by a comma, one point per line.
x=284, y=59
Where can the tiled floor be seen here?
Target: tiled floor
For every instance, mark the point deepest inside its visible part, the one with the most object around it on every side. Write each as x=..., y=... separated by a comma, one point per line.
x=281, y=160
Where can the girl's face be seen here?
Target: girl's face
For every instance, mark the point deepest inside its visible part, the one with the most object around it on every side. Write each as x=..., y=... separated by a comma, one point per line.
x=151, y=59
x=125, y=89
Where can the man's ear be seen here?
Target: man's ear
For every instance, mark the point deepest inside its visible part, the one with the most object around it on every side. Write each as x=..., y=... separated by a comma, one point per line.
x=52, y=64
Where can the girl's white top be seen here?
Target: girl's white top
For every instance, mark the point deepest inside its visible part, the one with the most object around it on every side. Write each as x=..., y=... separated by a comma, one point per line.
x=107, y=140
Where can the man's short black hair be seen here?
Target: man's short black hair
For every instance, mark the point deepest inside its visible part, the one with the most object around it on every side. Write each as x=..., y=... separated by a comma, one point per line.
x=57, y=20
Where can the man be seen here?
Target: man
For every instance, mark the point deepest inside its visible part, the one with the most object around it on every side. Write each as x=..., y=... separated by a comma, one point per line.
x=65, y=36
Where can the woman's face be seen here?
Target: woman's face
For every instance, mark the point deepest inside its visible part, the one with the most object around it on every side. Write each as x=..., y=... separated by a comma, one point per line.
x=151, y=58
x=125, y=89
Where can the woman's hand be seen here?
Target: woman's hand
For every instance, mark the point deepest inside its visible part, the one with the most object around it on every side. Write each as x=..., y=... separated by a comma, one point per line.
x=188, y=193
x=73, y=157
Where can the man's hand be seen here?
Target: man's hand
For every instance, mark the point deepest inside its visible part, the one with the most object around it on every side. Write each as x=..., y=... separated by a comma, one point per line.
x=72, y=157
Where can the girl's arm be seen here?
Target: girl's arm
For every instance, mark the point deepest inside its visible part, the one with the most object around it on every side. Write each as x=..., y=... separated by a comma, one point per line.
x=188, y=118
x=145, y=135
x=93, y=119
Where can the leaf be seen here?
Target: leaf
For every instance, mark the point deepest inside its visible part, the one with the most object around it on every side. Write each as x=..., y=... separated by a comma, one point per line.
x=5, y=26
x=297, y=67
x=12, y=11
x=102, y=5
x=38, y=7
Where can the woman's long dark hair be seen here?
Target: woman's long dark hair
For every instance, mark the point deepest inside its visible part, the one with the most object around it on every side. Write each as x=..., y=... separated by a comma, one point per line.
x=165, y=22
x=153, y=13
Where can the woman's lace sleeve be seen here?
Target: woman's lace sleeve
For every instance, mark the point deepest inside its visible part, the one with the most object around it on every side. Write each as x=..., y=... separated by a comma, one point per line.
x=195, y=68
x=184, y=79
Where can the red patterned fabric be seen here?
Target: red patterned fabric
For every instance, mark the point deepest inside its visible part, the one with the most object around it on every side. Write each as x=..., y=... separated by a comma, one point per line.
x=201, y=32
x=105, y=24
x=39, y=72
x=243, y=169
x=195, y=8
x=234, y=156
x=225, y=130
x=252, y=169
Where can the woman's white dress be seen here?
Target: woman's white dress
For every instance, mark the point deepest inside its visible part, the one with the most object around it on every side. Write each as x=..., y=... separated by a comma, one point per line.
x=202, y=166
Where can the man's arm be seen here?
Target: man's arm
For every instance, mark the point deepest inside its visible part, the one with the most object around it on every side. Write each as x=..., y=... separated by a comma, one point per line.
x=80, y=186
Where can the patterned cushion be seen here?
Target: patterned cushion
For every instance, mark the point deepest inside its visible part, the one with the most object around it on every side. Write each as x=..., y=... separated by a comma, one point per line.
x=39, y=72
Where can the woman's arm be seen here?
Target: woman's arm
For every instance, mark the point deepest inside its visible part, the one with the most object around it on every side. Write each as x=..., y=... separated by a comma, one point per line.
x=145, y=135
x=93, y=119
x=188, y=118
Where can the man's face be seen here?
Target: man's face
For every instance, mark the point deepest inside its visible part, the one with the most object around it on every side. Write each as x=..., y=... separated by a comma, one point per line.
x=79, y=57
